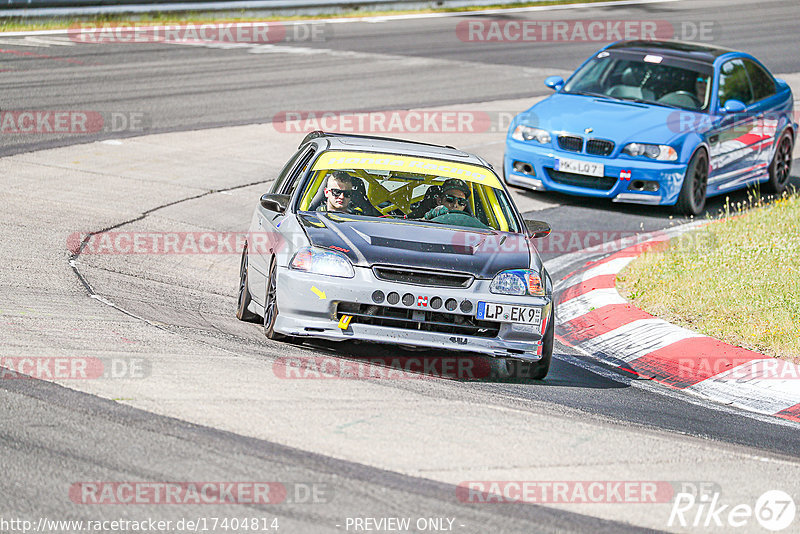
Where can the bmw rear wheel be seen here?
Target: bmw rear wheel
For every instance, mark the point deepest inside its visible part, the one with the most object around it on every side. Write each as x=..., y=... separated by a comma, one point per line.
x=781, y=165
x=692, y=198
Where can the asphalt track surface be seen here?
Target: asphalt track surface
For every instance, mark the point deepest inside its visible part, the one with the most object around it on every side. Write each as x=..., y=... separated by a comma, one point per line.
x=179, y=310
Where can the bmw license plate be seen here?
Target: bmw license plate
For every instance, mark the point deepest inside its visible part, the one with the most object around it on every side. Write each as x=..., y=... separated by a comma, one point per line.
x=577, y=166
x=507, y=313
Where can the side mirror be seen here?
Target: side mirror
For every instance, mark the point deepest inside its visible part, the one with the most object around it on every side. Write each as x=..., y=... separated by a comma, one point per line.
x=554, y=82
x=734, y=106
x=537, y=228
x=273, y=202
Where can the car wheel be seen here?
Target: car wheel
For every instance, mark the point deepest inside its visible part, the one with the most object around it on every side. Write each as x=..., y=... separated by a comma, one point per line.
x=514, y=368
x=692, y=198
x=271, y=303
x=242, y=313
x=781, y=165
x=539, y=370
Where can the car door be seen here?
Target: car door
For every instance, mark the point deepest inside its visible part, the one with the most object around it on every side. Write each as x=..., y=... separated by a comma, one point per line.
x=265, y=234
x=735, y=140
x=765, y=101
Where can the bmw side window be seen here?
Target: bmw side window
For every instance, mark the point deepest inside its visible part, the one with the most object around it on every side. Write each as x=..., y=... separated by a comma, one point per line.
x=762, y=82
x=734, y=84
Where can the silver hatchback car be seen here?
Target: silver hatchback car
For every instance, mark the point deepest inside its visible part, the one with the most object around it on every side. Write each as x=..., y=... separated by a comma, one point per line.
x=390, y=241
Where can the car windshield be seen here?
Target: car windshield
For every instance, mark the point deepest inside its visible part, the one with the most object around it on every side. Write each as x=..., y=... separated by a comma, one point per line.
x=408, y=187
x=650, y=78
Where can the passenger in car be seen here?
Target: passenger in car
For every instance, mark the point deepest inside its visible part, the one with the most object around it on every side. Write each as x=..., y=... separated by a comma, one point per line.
x=454, y=198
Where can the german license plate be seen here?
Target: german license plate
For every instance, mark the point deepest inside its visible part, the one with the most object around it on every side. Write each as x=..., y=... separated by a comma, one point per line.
x=507, y=313
x=577, y=166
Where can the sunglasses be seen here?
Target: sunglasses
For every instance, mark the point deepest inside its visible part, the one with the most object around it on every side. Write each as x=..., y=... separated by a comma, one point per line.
x=453, y=198
x=340, y=192
x=700, y=79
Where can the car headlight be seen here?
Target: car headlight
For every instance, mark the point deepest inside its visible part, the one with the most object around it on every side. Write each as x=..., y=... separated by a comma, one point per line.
x=321, y=261
x=526, y=133
x=517, y=282
x=659, y=152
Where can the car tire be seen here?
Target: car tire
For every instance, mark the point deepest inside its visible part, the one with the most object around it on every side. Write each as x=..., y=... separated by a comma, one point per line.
x=244, y=297
x=539, y=370
x=504, y=368
x=271, y=303
x=781, y=165
x=692, y=198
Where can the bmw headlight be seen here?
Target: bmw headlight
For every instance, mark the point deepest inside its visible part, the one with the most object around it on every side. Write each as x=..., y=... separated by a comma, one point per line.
x=321, y=261
x=517, y=282
x=526, y=133
x=659, y=152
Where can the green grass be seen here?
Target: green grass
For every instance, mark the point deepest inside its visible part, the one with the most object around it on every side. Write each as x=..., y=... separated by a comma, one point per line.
x=9, y=24
x=737, y=279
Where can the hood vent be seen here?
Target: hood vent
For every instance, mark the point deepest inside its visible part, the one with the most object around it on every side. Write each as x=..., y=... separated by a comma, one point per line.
x=422, y=277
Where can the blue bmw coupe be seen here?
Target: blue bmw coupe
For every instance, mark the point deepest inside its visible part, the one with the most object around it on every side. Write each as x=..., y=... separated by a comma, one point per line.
x=657, y=122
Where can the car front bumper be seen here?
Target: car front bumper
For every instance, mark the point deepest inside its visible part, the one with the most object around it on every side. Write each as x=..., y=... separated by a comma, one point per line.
x=311, y=305
x=621, y=175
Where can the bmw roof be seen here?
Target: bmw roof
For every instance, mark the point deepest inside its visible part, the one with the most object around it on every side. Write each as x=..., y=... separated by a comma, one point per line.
x=677, y=49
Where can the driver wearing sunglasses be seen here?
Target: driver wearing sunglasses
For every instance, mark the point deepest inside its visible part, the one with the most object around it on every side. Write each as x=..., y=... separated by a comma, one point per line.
x=454, y=198
x=338, y=190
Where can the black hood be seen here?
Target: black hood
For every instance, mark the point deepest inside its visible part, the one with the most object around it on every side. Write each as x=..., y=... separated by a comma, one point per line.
x=370, y=241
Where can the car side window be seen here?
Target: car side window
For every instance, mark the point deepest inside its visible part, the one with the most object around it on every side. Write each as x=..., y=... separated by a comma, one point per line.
x=763, y=84
x=279, y=182
x=734, y=84
x=293, y=178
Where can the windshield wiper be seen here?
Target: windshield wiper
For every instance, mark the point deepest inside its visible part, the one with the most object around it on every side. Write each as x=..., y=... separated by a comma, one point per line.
x=589, y=93
x=643, y=101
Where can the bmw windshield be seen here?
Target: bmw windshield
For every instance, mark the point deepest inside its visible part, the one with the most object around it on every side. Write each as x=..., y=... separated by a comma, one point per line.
x=647, y=78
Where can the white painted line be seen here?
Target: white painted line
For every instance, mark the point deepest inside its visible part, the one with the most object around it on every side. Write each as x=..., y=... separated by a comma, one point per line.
x=587, y=302
x=334, y=20
x=504, y=11
x=637, y=338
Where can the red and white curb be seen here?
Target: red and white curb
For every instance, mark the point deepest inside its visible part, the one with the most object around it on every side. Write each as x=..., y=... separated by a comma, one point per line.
x=595, y=318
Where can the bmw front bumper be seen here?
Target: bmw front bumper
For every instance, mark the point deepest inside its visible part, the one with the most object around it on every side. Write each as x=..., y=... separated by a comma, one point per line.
x=621, y=176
